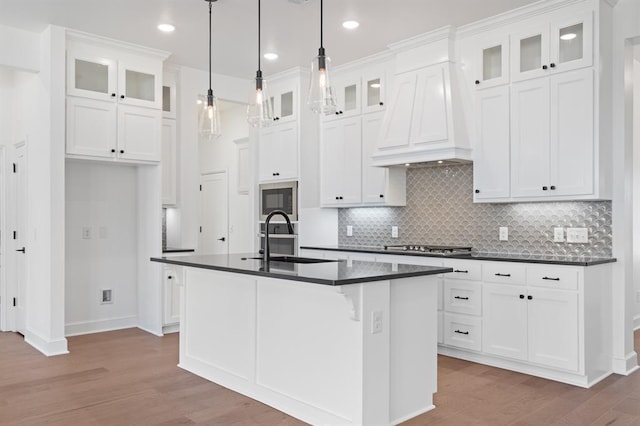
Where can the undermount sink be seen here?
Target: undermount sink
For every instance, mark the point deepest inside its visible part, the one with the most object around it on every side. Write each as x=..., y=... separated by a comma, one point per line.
x=295, y=259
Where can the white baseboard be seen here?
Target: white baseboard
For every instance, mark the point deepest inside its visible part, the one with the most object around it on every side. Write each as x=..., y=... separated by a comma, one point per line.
x=47, y=347
x=158, y=333
x=626, y=365
x=172, y=328
x=97, y=326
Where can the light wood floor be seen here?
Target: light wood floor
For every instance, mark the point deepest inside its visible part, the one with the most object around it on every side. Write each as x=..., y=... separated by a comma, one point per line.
x=130, y=377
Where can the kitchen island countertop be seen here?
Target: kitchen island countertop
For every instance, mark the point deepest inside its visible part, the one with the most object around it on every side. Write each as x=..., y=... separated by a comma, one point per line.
x=328, y=273
x=500, y=257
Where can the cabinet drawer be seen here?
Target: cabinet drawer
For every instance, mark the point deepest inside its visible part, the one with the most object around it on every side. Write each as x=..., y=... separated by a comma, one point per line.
x=504, y=273
x=552, y=277
x=463, y=331
x=463, y=297
x=469, y=270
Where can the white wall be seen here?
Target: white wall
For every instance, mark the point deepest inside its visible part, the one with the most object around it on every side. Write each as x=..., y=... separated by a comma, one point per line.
x=626, y=31
x=19, y=49
x=222, y=154
x=102, y=198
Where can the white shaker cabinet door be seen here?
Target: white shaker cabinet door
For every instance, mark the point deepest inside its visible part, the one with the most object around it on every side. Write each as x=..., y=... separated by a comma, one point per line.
x=91, y=127
x=139, y=133
x=397, y=121
x=505, y=320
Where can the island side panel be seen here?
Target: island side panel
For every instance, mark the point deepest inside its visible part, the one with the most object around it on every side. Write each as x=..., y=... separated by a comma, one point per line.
x=413, y=348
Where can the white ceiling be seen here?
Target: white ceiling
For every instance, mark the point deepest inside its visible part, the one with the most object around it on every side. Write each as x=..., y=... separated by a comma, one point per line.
x=290, y=29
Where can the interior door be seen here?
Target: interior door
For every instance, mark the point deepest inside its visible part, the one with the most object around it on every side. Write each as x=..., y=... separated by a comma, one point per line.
x=18, y=280
x=214, y=214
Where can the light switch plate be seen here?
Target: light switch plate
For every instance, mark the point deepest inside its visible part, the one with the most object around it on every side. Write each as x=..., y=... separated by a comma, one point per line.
x=577, y=235
x=558, y=235
x=394, y=232
x=504, y=233
x=349, y=231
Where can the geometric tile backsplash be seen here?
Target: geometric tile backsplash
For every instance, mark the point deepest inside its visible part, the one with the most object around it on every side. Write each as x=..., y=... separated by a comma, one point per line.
x=440, y=210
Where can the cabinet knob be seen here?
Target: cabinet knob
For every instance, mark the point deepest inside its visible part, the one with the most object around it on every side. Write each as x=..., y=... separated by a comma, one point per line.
x=341, y=198
x=121, y=96
x=552, y=187
x=552, y=65
x=169, y=277
x=381, y=103
x=529, y=297
x=113, y=95
x=477, y=191
x=381, y=195
x=544, y=67
x=337, y=198
x=544, y=188
x=477, y=81
x=122, y=151
x=522, y=296
x=113, y=150
x=337, y=112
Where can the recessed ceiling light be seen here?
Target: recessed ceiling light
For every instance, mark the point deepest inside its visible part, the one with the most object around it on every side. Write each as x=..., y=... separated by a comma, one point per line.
x=166, y=28
x=568, y=36
x=351, y=25
x=407, y=164
x=270, y=56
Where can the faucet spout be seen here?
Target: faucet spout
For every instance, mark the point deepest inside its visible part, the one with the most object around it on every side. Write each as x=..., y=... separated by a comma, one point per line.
x=267, y=255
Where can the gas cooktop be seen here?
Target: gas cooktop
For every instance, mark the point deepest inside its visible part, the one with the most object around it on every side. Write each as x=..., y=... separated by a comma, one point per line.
x=431, y=250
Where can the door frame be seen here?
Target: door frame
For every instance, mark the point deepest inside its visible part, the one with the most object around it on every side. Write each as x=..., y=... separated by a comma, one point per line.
x=4, y=296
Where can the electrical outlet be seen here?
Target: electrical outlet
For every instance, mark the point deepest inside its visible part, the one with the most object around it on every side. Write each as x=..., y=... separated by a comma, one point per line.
x=394, y=232
x=349, y=231
x=577, y=235
x=376, y=322
x=107, y=296
x=504, y=233
x=86, y=232
x=558, y=235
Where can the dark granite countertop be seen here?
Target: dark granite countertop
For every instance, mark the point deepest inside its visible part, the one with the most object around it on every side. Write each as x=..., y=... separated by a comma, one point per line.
x=177, y=250
x=500, y=257
x=328, y=273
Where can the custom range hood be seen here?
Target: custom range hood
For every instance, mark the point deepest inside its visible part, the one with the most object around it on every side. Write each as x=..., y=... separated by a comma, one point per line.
x=424, y=121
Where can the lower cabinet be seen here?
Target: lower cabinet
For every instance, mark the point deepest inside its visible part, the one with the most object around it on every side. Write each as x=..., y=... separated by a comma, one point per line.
x=171, y=285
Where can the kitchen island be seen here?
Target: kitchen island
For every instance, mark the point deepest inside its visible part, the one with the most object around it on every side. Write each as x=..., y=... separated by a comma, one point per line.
x=335, y=342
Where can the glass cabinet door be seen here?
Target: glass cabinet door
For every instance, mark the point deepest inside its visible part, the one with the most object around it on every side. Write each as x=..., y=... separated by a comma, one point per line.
x=283, y=101
x=374, y=86
x=529, y=54
x=492, y=66
x=169, y=83
x=572, y=43
x=91, y=76
x=139, y=84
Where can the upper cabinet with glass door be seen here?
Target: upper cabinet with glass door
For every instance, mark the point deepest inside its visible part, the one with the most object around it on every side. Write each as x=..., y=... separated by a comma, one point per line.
x=347, y=90
x=101, y=74
x=560, y=45
x=492, y=63
x=284, y=100
x=374, y=86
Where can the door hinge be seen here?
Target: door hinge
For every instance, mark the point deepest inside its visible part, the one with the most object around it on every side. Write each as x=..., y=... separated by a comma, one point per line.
x=201, y=229
x=14, y=302
x=200, y=187
x=15, y=168
x=15, y=235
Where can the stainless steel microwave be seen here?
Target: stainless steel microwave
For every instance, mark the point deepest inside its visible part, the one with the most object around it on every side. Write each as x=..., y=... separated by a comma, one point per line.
x=279, y=196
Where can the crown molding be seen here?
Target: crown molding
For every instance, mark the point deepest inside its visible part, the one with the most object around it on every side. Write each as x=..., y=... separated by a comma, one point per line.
x=446, y=32
x=75, y=35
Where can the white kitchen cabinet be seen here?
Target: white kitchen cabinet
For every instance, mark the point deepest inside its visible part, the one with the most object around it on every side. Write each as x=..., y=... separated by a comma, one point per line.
x=552, y=136
x=341, y=162
x=347, y=90
x=421, y=122
x=491, y=156
x=171, y=289
x=168, y=164
x=278, y=153
x=114, y=100
x=550, y=47
x=169, y=94
x=380, y=185
x=505, y=320
x=374, y=88
x=492, y=62
x=284, y=101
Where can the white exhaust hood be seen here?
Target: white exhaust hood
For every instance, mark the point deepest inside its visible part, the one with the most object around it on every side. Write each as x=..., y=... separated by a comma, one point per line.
x=424, y=121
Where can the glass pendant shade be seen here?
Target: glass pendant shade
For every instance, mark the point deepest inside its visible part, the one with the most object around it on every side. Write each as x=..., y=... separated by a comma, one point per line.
x=260, y=109
x=321, y=99
x=209, y=117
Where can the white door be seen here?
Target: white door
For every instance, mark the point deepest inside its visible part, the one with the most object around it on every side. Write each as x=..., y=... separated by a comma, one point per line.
x=214, y=214
x=504, y=325
x=17, y=298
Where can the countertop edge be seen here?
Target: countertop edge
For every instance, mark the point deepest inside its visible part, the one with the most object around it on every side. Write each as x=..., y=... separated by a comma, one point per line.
x=594, y=262
x=399, y=275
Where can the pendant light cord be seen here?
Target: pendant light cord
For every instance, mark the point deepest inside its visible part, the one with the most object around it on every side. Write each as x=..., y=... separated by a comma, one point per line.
x=210, y=3
x=321, y=13
x=259, y=35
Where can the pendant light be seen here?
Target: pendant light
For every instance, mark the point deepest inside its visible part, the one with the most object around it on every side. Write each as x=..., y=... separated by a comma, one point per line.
x=259, y=111
x=210, y=114
x=321, y=98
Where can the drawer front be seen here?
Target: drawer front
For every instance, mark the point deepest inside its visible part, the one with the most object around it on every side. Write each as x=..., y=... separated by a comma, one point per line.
x=463, y=332
x=463, y=297
x=504, y=273
x=553, y=277
x=464, y=270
